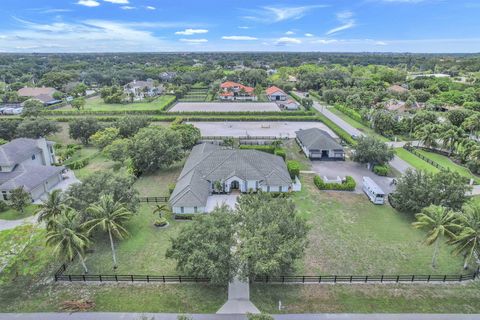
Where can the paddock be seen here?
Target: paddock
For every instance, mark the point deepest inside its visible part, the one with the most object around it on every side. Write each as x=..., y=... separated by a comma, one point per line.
x=225, y=107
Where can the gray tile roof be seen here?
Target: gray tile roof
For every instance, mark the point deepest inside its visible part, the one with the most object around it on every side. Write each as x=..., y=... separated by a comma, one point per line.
x=318, y=139
x=28, y=177
x=208, y=163
x=17, y=150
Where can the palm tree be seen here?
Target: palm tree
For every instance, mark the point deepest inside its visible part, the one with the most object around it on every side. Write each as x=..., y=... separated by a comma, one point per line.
x=110, y=216
x=439, y=222
x=52, y=208
x=472, y=124
x=428, y=135
x=67, y=237
x=450, y=137
x=467, y=240
x=160, y=208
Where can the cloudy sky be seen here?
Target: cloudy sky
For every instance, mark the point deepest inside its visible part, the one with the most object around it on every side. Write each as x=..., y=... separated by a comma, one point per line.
x=246, y=25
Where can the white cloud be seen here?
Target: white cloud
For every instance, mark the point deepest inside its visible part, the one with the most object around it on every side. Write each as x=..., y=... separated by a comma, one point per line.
x=289, y=33
x=88, y=3
x=55, y=10
x=269, y=14
x=194, y=40
x=243, y=27
x=381, y=43
x=309, y=35
x=346, y=18
x=324, y=41
x=127, y=8
x=403, y=1
x=150, y=8
x=117, y=1
x=239, y=38
x=189, y=32
x=287, y=40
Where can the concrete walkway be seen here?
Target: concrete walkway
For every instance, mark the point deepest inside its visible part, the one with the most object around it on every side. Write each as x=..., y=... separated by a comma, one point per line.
x=173, y=316
x=11, y=224
x=238, y=299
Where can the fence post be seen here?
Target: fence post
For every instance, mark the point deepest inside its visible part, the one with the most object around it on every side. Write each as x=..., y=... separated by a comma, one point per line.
x=366, y=279
x=413, y=277
x=163, y=279
x=180, y=279
x=83, y=276
x=116, y=278
x=320, y=279
x=351, y=277
x=303, y=279
x=131, y=276
x=100, y=276
x=398, y=278
x=428, y=279
x=381, y=279
x=335, y=279
x=444, y=278
x=148, y=278
x=283, y=279
x=70, y=278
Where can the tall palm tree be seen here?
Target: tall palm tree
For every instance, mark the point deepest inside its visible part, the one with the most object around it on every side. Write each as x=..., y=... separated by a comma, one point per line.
x=439, y=223
x=467, y=240
x=472, y=124
x=52, y=208
x=428, y=135
x=67, y=237
x=451, y=137
x=109, y=216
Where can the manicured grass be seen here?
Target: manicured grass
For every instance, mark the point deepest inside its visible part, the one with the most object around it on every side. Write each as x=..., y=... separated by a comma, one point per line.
x=360, y=126
x=84, y=152
x=415, y=161
x=12, y=214
x=143, y=252
x=406, y=298
x=97, y=164
x=449, y=164
x=351, y=236
x=294, y=152
x=156, y=184
x=97, y=104
x=62, y=136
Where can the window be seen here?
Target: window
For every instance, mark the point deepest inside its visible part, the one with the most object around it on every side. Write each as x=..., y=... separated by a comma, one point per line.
x=195, y=209
x=0, y=168
x=4, y=194
x=280, y=189
x=182, y=210
x=33, y=157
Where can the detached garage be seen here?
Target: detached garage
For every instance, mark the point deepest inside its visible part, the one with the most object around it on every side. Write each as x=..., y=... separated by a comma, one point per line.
x=319, y=145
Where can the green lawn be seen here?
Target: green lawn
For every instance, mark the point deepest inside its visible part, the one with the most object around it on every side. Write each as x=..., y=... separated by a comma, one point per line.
x=361, y=127
x=12, y=214
x=96, y=164
x=415, y=161
x=84, y=152
x=62, y=136
x=141, y=253
x=294, y=152
x=97, y=104
x=156, y=184
x=405, y=298
x=449, y=164
x=349, y=235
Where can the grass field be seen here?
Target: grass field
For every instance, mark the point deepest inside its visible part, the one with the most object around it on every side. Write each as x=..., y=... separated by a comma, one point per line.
x=141, y=253
x=294, y=152
x=97, y=104
x=12, y=214
x=449, y=164
x=156, y=184
x=415, y=161
x=63, y=135
x=96, y=164
x=350, y=235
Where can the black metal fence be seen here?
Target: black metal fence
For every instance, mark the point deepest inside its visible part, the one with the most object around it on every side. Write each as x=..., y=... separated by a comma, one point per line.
x=153, y=199
x=368, y=279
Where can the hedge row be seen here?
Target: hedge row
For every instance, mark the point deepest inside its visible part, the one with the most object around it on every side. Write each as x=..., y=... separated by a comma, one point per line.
x=348, y=185
x=345, y=136
x=81, y=163
x=293, y=168
x=269, y=149
x=381, y=170
x=295, y=97
x=315, y=94
x=349, y=112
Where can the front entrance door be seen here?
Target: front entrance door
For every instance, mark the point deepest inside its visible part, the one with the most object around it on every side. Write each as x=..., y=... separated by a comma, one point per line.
x=324, y=153
x=235, y=185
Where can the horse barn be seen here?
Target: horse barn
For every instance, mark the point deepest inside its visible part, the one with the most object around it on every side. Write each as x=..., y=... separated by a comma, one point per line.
x=319, y=145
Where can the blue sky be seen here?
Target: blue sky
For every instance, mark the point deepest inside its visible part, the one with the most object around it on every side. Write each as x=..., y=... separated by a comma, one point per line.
x=246, y=25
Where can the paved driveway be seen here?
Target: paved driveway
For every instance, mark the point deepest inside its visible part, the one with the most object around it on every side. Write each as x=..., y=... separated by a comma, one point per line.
x=219, y=199
x=279, y=129
x=332, y=169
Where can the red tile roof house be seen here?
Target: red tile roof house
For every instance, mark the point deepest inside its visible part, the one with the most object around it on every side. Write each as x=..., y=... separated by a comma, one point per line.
x=232, y=91
x=276, y=94
x=43, y=94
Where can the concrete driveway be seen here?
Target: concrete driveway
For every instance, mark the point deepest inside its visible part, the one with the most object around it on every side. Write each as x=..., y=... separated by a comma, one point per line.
x=332, y=169
x=219, y=199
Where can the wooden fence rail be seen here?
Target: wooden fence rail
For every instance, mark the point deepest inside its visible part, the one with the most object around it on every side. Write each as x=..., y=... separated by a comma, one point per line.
x=153, y=199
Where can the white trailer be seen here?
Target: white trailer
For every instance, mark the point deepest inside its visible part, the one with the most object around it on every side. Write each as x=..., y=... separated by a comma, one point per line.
x=373, y=191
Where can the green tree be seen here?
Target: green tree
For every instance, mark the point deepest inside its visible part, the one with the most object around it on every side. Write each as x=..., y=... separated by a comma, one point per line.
x=78, y=103
x=68, y=238
x=32, y=108
x=128, y=126
x=229, y=142
x=35, y=128
x=110, y=216
x=373, y=151
x=203, y=248
x=384, y=122
x=160, y=209
x=450, y=137
x=467, y=238
x=83, y=129
x=472, y=124
x=458, y=116
x=189, y=135
x=19, y=199
x=118, y=150
x=428, y=135
x=153, y=148
x=439, y=222
x=52, y=208
x=8, y=129
x=104, y=137
x=307, y=103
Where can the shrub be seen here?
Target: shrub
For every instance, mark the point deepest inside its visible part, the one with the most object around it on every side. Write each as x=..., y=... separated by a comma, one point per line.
x=3, y=206
x=348, y=185
x=79, y=164
x=267, y=149
x=293, y=168
x=280, y=152
x=162, y=222
x=381, y=170
x=171, y=187
x=349, y=112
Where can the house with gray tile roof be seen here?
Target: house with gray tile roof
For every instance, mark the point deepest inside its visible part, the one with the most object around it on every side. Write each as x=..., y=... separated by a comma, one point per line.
x=28, y=164
x=214, y=169
x=319, y=145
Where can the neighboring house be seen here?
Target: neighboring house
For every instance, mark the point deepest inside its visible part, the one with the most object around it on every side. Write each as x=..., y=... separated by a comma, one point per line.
x=43, y=94
x=211, y=168
x=276, y=94
x=142, y=89
x=231, y=91
x=395, y=105
x=167, y=76
x=28, y=164
x=292, y=79
x=319, y=145
x=397, y=89
x=290, y=105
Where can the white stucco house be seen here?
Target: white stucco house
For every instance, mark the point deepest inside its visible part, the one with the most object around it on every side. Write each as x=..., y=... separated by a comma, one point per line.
x=28, y=164
x=213, y=169
x=142, y=89
x=276, y=94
